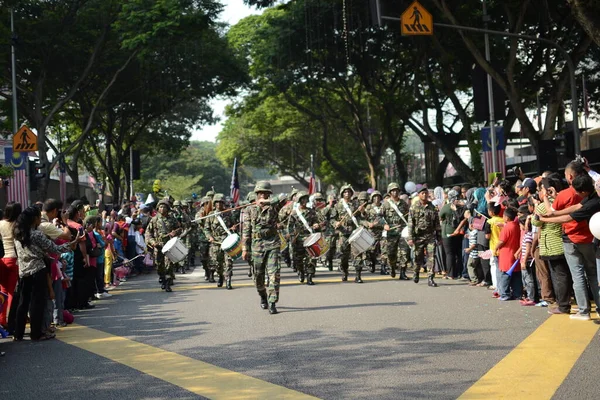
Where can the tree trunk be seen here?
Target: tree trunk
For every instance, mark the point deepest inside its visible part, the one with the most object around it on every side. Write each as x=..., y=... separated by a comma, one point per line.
x=587, y=13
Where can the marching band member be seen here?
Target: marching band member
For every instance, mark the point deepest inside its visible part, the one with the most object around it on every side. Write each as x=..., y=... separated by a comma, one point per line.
x=303, y=222
x=216, y=229
x=376, y=222
x=160, y=230
x=261, y=235
x=394, y=212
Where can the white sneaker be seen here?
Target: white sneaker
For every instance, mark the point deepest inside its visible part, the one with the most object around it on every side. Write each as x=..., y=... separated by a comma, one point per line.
x=580, y=317
x=98, y=296
x=106, y=295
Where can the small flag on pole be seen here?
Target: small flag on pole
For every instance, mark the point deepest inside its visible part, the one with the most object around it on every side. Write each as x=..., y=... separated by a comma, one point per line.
x=312, y=184
x=235, y=184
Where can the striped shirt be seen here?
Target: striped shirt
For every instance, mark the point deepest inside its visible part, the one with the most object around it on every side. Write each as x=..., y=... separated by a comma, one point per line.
x=527, y=238
x=473, y=244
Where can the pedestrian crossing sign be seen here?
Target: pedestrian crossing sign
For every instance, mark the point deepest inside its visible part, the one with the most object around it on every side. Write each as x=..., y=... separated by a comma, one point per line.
x=25, y=140
x=416, y=20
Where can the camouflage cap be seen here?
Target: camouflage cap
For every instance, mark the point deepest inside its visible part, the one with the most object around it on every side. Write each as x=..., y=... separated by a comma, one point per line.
x=163, y=202
x=263, y=186
x=346, y=187
x=294, y=192
x=210, y=193
x=319, y=197
x=393, y=186
x=363, y=196
x=204, y=200
x=301, y=194
x=218, y=197
x=176, y=203
x=376, y=193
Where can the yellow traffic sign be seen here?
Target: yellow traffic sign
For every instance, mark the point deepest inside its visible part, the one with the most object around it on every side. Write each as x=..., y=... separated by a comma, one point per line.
x=25, y=140
x=416, y=20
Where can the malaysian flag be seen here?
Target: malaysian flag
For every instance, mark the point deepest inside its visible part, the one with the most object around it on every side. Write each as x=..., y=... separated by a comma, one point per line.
x=62, y=180
x=17, y=187
x=312, y=184
x=486, y=144
x=235, y=185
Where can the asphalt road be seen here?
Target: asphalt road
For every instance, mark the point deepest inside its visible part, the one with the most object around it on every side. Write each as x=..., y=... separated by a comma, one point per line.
x=384, y=339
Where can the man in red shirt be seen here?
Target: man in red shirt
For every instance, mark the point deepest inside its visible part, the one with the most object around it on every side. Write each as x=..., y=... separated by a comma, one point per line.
x=509, y=244
x=577, y=238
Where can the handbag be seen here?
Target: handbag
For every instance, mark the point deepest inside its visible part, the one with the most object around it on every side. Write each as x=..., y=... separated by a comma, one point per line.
x=148, y=261
x=93, y=251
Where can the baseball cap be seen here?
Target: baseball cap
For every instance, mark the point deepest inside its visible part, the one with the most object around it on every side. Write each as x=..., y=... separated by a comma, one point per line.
x=530, y=183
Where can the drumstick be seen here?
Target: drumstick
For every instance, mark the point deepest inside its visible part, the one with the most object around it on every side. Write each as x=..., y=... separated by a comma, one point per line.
x=222, y=212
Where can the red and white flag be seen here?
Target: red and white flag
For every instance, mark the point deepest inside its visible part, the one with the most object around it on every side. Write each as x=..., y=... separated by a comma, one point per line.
x=17, y=185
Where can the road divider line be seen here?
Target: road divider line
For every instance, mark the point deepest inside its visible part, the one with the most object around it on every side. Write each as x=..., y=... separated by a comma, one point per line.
x=193, y=375
x=536, y=368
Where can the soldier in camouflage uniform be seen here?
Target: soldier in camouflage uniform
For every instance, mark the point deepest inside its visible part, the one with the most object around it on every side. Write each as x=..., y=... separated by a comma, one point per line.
x=424, y=232
x=262, y=236
x=160, y=230
x=251, y=199
x=345, y=220
x=330, y=234
x=203, y=245
x=214, y=231
x=397, y=252
x=192, y=235
x=375, y=223
x=284, y=215
x=298, y=232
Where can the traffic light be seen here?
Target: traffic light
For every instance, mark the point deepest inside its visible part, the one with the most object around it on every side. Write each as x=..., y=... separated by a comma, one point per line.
x=37, y=171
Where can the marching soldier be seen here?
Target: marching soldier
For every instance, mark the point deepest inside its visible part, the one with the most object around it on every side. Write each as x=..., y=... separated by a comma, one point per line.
x=160, y=230
x=203, y=245
x=216, y=229
x=344, y=222
x=394, y=212
x=284, y=215
x=245, y=218
x=262, y=236
x=192, y=235
x=303, y=222
x=424, y=232
x=376, y=223
x=330, y=234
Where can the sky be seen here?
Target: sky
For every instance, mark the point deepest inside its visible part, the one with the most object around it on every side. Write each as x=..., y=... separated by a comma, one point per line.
x=234, y=11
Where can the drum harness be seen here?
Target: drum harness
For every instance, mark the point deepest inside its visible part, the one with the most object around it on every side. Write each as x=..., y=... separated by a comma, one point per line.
x=223, y=224
x=303, y=220
x=347, y=208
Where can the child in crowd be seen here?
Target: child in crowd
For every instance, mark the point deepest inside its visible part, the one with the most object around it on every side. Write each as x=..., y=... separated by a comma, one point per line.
x=495, y=222
x=474, y=263
x=140, y=246
x=109, y=259
x=510, y=284
x=526, y=257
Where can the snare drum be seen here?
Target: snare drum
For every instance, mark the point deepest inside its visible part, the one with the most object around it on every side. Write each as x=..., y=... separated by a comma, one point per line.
x=232, y=245
x=361, y=240
x=316, y=245
x=175, y=250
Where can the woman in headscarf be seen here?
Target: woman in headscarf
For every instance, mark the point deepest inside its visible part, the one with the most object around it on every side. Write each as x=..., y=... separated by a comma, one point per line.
x=438, y=197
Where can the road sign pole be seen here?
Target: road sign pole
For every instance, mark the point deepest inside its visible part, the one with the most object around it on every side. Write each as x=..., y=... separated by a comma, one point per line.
x=490, y=91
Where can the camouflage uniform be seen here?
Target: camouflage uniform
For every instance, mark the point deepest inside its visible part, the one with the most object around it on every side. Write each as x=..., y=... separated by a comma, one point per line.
x=330, y=234
x=305, y=264
x=261, y=235
x=202, y=240
x=219, y=261
x=374, y=217
x=397, y=252
x=157, y=235
x=344, y=230
x=191, y=239
x=424, y=230
x=284, y=215
x=244, y=219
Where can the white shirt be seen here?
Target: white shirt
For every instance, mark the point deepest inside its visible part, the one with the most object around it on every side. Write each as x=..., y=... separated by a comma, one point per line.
x=140, y=244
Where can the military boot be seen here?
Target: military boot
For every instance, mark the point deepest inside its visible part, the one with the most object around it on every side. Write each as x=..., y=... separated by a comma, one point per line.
x=383, y=270
x=358, y=278
x=301, y=276
x=330, y=265
x=393, y=272
x=220, y=282
x=309, y=280
x=416, y=277
x=228, y=284
x=272, y=309
x=264, y=304
x=249, y=272
x=403, y=276
x=430, y=282
x=211, y=277
x=344, y=276
x=206, y=274
x=372, y=268
x=161, y=280
x=168, y=284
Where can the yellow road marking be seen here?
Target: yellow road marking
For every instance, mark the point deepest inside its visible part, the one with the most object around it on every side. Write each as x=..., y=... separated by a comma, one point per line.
x=538, y=365
x=196, y=376
x=240, y=285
